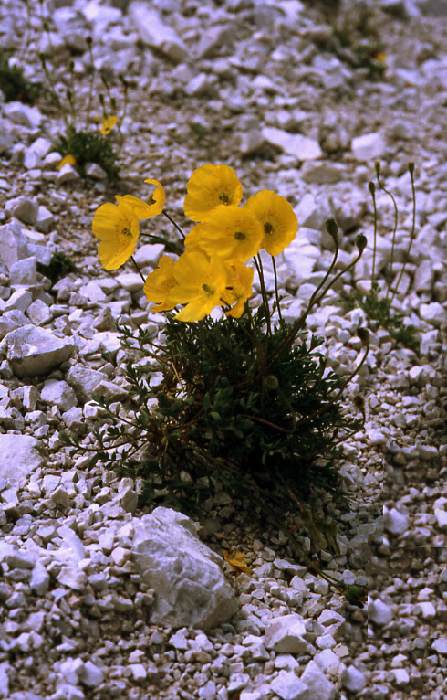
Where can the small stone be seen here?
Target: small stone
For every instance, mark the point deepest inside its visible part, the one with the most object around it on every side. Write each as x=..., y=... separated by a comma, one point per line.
x=44, y=220
x=23, y=272
x=379, y=612
x=354, y=680
x=138, y=672
x=288, y=686
x=286, y=634
x=58, y=393
x=84, y=381
x=401, y=676
x=155, y=33
x=18, y=456
x=441, y=518
x=23, y=208
x=19, y=300
x=369, y=146
x=433, y=313
x=38, y=312
x=440, y=646
x=296, y=145
x=95, y=171
x=67, y=174
x=37, y=152
x=318, y=686
x=19, y=113
x=324, y=173
x=394, y=521
x=90, y=674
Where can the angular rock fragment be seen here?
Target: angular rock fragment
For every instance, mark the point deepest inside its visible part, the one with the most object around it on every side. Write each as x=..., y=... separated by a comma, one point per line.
x=18, y=456
x=34, y=351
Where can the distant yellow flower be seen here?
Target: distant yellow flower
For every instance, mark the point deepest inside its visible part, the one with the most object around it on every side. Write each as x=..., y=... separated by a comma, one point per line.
x=229, y=232
x=277, y=218
x=381, y=57
x=201, y=283
x=211, y=186
x=160, y=284
x=69, y=159
x=117, y=229
x=107, y=124
x=239, y=288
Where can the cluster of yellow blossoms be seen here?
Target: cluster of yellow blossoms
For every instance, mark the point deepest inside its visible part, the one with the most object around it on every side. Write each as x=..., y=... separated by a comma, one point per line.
x=211, y=270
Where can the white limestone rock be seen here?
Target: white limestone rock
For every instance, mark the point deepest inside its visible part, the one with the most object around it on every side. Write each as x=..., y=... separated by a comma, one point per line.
x=440, y=646
x=286, y=634
x=35, y=153
x=34, y=351
x=288, y=686
x=433, y=313
x=395, y=522
x=23, y=208
x=353, y=679
x=369, y=146
x=22, y=114
x=296, y=145
x=23, y=272
x=13, y=243
x=155, y=33
x=186, y=575
x=84, y=381
x=18, y=457
x=58, y=393
x=10, y=321
x=318, y=686
x=379, y=612
x=44, y=220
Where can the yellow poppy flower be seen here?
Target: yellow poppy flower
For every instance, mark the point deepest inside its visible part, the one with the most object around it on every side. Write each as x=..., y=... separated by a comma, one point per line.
x=230, y=233
x=69, y=159
x=107, y=124
x=145, y=210
x=211, y=186
x=117, y=229
x=201, y=284
x=239, y=288
x=160, y=284
x=277, y=219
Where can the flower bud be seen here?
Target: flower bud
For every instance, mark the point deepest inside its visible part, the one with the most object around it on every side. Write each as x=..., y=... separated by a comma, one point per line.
x=363, y=334
x=332, y=228
x=372, y=189
x=361, y=242
x=271, y=382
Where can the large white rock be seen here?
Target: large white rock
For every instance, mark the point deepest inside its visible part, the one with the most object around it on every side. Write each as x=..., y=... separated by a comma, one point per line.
x=155, y=34
x=18, y=456
x=296, y=145
x=34, y=351
x=35, y=153
x=286, y=634
x=58, y=393
x=288, y=686
x=20, y=113
x=186, y=575
x=379, y=612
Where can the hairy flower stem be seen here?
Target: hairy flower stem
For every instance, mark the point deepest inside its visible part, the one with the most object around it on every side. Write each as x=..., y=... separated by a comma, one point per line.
x=413, y=229
x=260, y=271
x=53, y=91
x=396, y=221
x=355, y=372
x=176, y=226
x=138, y=268
x=91, y=68
x=276, y=289
x=372, y=190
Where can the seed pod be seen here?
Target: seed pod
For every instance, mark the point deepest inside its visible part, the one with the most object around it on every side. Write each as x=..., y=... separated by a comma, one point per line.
x=361, y=242
x=332, y=228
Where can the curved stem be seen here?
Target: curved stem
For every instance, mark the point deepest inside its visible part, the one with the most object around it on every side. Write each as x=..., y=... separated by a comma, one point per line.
x=176, y=226
x=373, y=273
x=138, y=268
x=395, y=225
x=413, y=229
x=260, y=271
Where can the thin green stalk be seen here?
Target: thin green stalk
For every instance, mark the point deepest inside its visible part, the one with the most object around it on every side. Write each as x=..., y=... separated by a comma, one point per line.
x=138, y=268
x=396, y=221
x=92, y=78
x=260, y=271
x=413, y=229
x=276, y=289
x=372, y=191
x=176, y=226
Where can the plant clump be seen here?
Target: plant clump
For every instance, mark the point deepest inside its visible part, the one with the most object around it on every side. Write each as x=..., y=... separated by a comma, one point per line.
x=237, y=400
x=13, y=83
x=88, y=147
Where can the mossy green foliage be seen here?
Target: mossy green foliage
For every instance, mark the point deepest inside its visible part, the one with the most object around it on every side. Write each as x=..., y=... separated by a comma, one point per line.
x=379, y=310
x=355, y=39
x=235, y=406
x=89, y=147
x=58, y=267
x=13, y=83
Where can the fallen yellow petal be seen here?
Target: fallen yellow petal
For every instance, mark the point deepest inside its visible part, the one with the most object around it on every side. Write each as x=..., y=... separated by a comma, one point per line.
x=69, y=159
